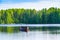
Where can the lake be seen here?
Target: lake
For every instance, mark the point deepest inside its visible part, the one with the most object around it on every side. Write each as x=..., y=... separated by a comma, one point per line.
x=31, y=35
x=39, y=33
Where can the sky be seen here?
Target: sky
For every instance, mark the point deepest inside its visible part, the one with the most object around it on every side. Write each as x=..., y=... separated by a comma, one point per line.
x=18, y=1
x=29, y=4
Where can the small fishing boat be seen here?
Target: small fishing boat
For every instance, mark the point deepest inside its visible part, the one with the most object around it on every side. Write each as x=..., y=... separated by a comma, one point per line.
x=24, y=29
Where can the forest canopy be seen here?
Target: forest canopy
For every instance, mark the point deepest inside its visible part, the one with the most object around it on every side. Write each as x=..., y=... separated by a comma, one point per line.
x=30, y=16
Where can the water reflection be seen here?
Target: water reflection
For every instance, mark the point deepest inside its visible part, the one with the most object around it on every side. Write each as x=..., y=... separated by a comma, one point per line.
x=52, y=30
x=34, y=33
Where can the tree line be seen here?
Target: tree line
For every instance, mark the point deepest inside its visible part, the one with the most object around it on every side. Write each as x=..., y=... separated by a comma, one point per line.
x=30, y=16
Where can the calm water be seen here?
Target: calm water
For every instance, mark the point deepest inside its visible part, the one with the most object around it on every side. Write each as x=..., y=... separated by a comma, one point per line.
x=31, y=35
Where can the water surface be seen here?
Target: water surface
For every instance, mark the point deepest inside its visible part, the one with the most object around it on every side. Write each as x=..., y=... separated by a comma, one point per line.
x=31, y=35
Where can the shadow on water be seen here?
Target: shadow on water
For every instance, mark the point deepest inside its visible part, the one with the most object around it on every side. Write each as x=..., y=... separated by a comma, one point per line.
x=51, y=30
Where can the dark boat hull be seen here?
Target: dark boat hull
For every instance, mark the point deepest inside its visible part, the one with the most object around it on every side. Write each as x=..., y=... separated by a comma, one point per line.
x=24, y=29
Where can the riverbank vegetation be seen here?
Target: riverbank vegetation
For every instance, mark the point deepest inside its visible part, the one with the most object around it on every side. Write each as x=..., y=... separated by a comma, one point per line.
x=30, y=16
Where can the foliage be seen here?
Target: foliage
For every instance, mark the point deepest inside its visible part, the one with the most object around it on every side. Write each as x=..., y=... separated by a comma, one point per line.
x=30, y=16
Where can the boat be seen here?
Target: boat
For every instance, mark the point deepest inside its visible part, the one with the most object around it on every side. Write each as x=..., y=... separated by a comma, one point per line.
x=24, y=29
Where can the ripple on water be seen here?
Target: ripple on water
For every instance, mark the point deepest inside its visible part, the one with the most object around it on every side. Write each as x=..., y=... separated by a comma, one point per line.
x=31, y=35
